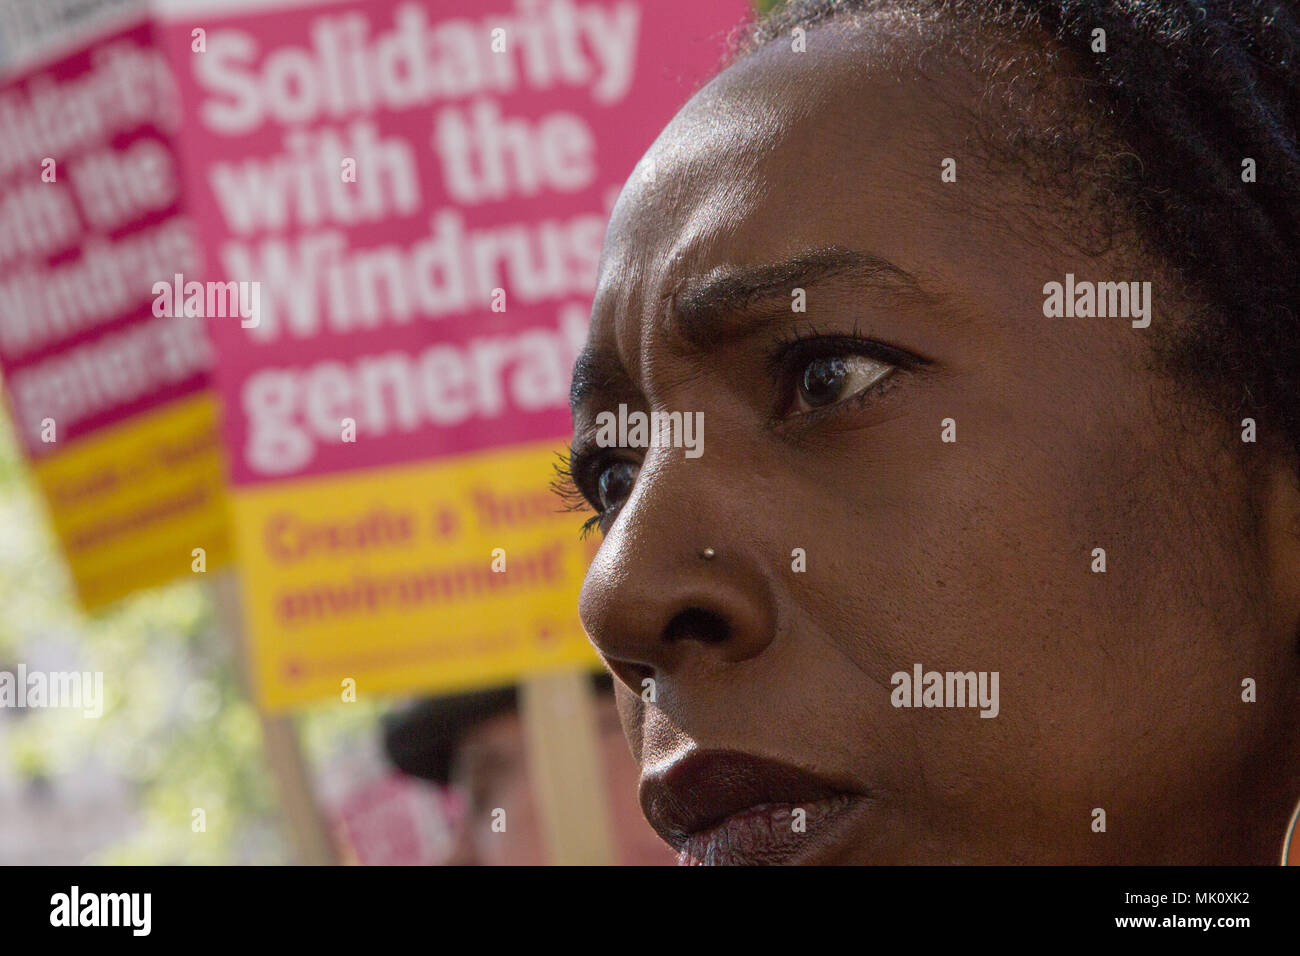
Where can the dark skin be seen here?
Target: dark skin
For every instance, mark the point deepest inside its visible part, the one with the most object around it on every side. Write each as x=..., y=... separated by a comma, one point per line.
x=1119, y=690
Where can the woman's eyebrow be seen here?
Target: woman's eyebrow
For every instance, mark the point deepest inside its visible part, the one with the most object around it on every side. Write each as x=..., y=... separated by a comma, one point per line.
x=706, y=311
x=597, y=371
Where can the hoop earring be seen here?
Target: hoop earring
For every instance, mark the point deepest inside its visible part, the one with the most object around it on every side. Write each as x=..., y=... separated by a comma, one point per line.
x=1290, y=834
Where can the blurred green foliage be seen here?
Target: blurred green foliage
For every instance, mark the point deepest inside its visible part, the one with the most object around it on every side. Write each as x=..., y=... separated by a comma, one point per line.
x=176, y=726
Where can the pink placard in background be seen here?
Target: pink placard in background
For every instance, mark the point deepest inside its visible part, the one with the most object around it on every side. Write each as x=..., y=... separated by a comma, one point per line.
x=420, y=190
x=90, y=217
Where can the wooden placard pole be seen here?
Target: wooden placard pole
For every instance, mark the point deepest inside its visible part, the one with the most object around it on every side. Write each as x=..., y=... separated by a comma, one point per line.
x=310, y=833
x=568, y=775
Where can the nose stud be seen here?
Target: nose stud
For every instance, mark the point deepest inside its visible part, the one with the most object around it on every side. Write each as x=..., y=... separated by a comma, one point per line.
x=707, y=554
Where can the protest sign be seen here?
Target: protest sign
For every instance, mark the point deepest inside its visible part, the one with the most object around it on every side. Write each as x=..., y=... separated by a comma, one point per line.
x=415, y=195
x=111, y=401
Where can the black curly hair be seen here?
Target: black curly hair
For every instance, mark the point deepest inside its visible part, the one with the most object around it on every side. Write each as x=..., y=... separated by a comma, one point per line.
x=1185, y=91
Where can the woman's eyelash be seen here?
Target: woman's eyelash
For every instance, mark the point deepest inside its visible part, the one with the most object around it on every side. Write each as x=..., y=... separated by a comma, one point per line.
x=565, y=486
x=804, y=345
x=589, y=527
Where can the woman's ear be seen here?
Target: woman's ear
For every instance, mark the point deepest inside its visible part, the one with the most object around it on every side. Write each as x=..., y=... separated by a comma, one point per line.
x=1278, y=511
x=1278, y=507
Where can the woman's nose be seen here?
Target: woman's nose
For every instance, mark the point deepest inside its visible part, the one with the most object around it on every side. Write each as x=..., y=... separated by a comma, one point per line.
x=679, y=580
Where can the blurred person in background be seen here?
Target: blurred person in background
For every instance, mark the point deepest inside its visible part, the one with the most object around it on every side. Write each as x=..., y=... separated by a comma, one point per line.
x=475, y=744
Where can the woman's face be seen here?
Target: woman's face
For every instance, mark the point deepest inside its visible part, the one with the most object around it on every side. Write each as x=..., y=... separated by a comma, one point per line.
x=852, y=542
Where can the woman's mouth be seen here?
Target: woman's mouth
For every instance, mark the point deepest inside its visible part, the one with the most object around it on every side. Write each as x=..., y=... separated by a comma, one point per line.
x=721, y=807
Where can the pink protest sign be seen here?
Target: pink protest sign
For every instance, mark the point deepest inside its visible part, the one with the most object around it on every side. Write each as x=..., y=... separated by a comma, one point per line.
x=110, y=400
x=420, y=189
x=89, y=218
x=408, y=201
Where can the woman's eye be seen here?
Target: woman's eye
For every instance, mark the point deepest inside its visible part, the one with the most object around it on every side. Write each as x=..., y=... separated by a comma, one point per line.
x=834, y=378
x=614, y=484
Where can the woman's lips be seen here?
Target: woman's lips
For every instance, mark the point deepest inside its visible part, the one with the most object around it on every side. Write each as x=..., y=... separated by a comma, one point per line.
x=721, y=807
x=766, y=834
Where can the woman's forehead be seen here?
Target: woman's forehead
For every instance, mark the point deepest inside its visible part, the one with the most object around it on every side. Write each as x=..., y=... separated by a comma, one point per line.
x=781, y=153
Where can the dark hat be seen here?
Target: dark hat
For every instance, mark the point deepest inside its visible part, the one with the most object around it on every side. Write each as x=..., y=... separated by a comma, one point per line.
x=421, y=740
